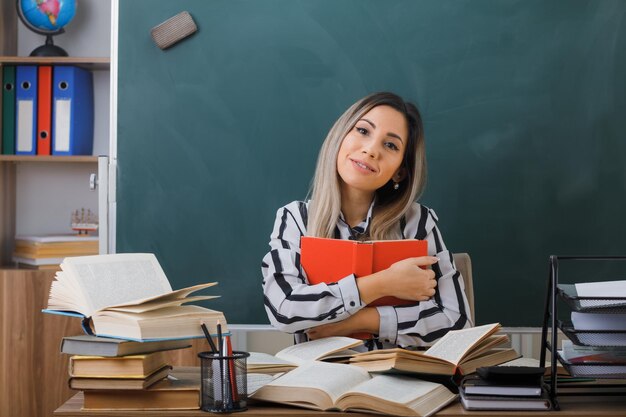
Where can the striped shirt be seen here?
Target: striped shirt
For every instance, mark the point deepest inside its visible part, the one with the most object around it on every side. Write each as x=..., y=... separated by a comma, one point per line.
x=292, y=305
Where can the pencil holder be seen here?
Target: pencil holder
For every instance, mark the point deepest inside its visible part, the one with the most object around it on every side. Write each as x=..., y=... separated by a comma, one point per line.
x=224, y=385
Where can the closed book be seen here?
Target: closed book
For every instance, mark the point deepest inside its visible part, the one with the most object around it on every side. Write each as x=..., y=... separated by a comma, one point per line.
x=84, y=383
x=44, y=109
x=55, y=246
x=26, y=110
x=182, y=393
x=135, y=366
x=329, y=260
x=474, y=385
x=88, y=345
x=8, y=110
x=73, y=111
x=56, y=261
x=505, y=403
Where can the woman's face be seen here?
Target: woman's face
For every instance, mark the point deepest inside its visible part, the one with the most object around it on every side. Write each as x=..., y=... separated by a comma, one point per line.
x=372, y=152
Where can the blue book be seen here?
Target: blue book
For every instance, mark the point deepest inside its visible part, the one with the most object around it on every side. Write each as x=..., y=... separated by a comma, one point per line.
x=72, y=111
x=26, y=110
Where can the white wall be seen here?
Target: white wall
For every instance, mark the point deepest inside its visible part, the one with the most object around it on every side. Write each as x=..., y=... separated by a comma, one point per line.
x=48, y=193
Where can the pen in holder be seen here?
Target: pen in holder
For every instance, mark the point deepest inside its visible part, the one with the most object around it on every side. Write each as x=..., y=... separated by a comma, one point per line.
x=224, y=385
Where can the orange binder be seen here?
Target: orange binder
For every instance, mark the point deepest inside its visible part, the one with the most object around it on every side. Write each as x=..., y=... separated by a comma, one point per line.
x=329, y=260
x=44, y=110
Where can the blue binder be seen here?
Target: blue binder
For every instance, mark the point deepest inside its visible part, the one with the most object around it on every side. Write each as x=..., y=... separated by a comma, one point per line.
x=72, y=111
x=26, y=110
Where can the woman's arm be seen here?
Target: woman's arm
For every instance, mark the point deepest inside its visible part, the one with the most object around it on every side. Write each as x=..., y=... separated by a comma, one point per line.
x=291, y=304
x=420, y=323
x=424, y=322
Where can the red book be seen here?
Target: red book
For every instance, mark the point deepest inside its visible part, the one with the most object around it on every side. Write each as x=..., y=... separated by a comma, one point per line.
x=44, y=109
x=329, y=260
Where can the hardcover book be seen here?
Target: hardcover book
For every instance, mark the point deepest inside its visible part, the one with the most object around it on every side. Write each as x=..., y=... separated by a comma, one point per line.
x=332, y=386
x=474, y=385
x=336, y=348
x=501, y=402
x=179, y=393
x=329, y=260
x=128, y=296
x=458, y=352
x=88, y=345
x=135, y=366
x=135, y=383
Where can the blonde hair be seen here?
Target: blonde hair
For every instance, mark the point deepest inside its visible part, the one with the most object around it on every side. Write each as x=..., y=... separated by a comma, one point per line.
x=391, y=205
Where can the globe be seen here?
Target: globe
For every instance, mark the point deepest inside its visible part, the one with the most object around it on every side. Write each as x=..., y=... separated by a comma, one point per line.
x=46, y=17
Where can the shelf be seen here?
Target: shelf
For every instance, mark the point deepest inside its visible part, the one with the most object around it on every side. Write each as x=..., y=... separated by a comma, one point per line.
x=46, y=158
x=92, y=63
x=600, y=370
x=603, y=338
x=590, y=304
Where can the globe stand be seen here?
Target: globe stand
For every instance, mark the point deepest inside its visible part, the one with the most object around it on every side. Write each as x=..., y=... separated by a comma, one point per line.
x=49, y=49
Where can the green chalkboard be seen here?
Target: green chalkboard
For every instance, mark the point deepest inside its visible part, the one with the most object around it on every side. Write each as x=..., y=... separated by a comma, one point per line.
x=524, y=104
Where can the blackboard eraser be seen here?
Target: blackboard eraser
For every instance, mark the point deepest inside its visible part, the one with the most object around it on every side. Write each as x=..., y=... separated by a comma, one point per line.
x=173, y=30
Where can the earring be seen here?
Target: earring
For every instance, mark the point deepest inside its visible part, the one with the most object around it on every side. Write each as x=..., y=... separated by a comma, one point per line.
x=396, y=185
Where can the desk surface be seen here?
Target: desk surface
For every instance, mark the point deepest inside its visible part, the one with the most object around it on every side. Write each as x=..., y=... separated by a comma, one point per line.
x=570, y=406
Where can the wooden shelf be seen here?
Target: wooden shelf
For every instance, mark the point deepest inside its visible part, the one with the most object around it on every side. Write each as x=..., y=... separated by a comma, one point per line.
x=93, y=63
x=46, y=158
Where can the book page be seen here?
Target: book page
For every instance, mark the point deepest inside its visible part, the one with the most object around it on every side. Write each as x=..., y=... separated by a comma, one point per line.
x=402, y=389
x=259, y=359
x=257, y=381
x=456, y=343
x=168, y=296
x=332, y=378
x=107, y=280
x=316, y=349
x=153, y=305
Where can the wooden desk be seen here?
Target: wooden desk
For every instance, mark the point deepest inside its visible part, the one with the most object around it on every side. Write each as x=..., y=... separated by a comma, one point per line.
x=570, y=407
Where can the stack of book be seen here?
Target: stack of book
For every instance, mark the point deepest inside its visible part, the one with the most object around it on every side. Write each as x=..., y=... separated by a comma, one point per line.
x=127, y=302
x=123, y=374
x=48, y=251
x=505, y=388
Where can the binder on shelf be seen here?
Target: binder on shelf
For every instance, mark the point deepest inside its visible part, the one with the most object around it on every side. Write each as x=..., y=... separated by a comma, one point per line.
x=8, y=110
x=72, y=109
x=26, y=110
x=44, y=110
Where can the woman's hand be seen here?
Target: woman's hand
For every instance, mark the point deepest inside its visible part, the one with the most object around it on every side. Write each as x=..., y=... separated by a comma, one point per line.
x=365, y=320
x=406, y=279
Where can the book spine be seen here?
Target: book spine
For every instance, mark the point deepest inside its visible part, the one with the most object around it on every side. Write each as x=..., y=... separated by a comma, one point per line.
x=362, y=259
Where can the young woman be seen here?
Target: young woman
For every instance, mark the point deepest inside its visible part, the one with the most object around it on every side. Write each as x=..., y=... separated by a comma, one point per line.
x=370, y=171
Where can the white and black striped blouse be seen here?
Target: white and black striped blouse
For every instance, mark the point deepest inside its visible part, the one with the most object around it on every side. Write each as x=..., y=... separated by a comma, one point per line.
x=293, y=305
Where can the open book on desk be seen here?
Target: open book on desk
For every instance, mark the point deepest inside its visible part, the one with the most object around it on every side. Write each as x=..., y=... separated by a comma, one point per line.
x=331, y=386
x=128, y=296
x=334, y=348
x=458, y=352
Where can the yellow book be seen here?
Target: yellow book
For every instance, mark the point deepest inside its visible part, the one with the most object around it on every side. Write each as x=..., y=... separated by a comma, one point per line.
x=135, y=366
x=135, y=383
